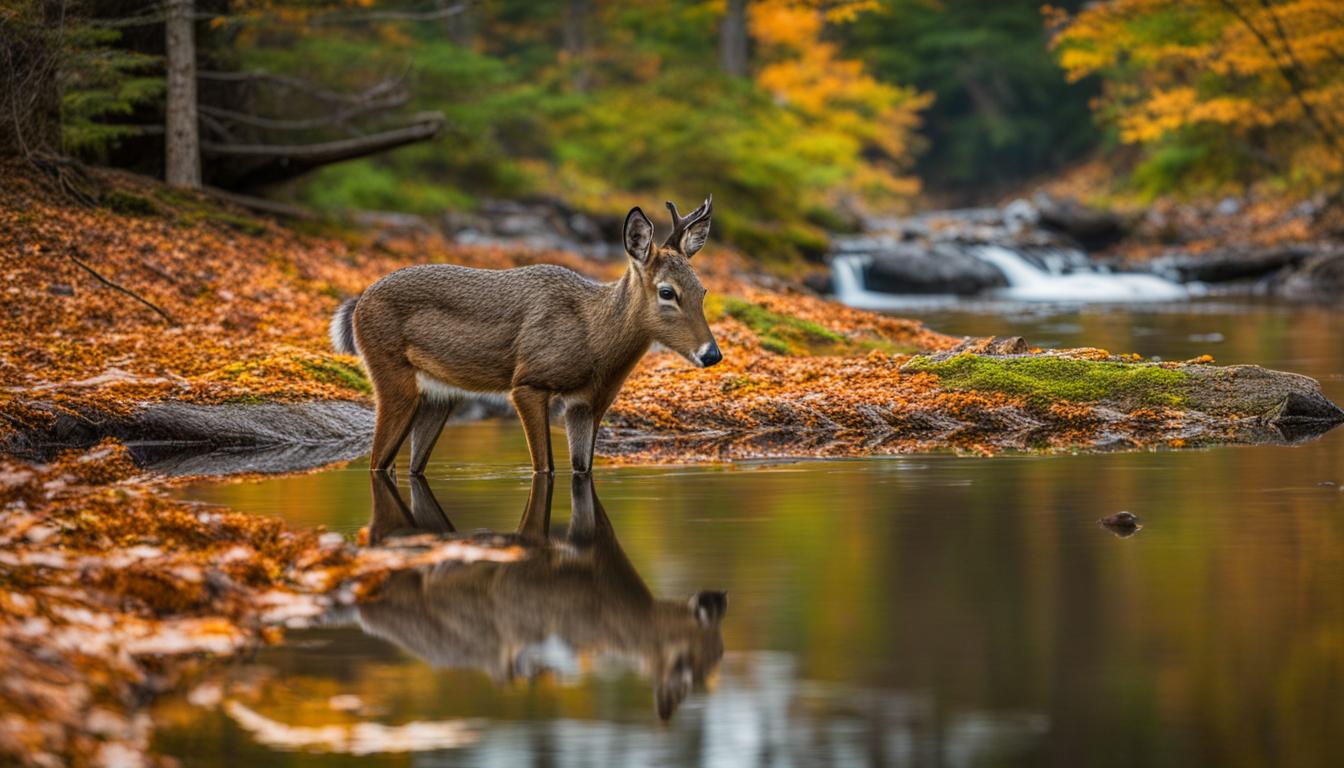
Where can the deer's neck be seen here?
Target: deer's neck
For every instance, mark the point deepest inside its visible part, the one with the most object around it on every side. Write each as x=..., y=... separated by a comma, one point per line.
x=622, y=325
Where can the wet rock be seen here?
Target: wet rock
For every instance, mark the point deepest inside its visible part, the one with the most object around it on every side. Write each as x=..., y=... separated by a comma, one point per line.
x=1231, y=265
x=1121, y=523
x=937, y=269
x=1274, y=398
x=540, y=223
x=819, y=283
x=1320, y=278
x=1092, y=228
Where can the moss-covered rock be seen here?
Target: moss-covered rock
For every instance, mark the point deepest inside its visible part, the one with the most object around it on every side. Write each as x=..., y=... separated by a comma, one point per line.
x=1046, y=379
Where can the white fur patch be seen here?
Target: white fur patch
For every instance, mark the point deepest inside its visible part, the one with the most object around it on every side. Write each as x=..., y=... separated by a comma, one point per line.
x=437, y=390
x=342, y=332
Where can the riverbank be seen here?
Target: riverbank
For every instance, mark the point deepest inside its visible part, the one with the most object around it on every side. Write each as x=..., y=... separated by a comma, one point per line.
x=112, y=593
x=159, y=317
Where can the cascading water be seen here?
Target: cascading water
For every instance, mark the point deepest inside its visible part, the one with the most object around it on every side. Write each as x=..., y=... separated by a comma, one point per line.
x=1058, y=276
x=1028, y=282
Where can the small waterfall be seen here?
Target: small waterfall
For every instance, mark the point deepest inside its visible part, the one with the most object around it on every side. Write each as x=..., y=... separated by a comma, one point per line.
x=1087, y=283
x=848, y=285
x=1055, y=275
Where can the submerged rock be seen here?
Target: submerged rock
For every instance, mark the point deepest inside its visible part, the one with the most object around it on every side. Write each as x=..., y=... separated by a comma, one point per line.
x=1122, y=524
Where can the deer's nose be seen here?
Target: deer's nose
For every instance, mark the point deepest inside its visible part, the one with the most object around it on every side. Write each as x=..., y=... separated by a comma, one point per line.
x=711, y=355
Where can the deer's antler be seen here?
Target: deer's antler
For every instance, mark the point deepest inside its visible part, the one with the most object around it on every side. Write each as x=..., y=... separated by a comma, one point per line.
x=680, y=223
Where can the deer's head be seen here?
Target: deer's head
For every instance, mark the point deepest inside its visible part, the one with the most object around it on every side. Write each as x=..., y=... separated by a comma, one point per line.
x=674, y=299
x=690, y=645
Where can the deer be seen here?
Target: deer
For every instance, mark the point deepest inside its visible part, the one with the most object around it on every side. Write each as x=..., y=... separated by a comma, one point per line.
x=434, y=334
x=578, y=593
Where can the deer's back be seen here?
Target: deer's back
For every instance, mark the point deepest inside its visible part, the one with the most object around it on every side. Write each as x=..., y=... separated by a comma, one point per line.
x=476, y=328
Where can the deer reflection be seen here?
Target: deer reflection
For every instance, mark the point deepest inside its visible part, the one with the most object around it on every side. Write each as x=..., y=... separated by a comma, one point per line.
x=568, y=597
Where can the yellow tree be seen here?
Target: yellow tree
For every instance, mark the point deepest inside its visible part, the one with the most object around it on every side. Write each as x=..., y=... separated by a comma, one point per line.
x=1258, y=80
x=858, y=128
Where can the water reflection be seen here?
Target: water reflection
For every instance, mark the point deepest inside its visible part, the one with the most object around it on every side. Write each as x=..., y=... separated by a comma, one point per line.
x=571, y=597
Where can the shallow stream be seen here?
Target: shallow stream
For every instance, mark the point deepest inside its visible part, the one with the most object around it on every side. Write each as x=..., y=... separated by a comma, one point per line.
x=922, y=610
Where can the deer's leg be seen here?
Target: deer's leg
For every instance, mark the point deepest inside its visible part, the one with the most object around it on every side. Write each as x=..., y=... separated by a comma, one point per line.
x=430, y=417
x=389, y=510
x=396, y=396
x=581, y=428
x=536, y=522
x=425, y=510
x=533, y=406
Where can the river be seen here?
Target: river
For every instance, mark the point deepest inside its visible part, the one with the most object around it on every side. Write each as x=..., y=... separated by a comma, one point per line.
x=913, y=610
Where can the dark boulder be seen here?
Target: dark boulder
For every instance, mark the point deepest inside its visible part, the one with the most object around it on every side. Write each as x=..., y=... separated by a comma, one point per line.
x=1092, y=228
x=1231, y=265
x=1320, y=278
x=940, y=269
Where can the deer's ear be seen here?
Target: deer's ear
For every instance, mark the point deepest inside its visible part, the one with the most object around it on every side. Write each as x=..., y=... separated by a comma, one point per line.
x=709, y=607
x=693, y=239
x=638, y=235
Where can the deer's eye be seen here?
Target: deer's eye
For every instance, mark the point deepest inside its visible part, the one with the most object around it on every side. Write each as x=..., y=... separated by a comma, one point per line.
x=666, y=293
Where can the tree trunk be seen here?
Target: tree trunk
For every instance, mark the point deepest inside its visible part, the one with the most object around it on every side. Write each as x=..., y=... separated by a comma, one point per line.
x=577, y=44
x=733, y=39
x=182, y=162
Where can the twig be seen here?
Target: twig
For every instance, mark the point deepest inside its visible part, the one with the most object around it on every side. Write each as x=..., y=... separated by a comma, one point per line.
x=114, y=286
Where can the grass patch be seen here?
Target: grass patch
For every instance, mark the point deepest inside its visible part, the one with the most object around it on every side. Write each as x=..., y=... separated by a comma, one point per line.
x=785, y=334
x=264, y=375
x=1046, y=380
x=339, y=373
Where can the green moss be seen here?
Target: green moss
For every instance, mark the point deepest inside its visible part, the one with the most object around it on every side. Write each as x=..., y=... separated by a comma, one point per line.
x=128, y=204
x=784, y=334
x=193, y=210
x=338, y=373
x=1045, y=380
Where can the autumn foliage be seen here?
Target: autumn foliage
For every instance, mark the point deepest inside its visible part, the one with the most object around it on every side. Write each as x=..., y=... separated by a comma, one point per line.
x=1216, y=91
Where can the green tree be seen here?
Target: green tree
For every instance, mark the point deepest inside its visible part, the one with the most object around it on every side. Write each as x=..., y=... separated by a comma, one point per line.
x=1002, y=112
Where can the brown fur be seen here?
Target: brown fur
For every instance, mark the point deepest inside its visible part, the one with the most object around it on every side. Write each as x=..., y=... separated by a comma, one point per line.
x=581, y=590
x=536, y=333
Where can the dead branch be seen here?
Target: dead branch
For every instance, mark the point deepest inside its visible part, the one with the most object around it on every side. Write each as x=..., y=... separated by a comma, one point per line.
x=114, y=286
x=305, y=124
x=306, y=87
x=262, y=205
x=368, y=17
x=1290, y=74
x=322, y=153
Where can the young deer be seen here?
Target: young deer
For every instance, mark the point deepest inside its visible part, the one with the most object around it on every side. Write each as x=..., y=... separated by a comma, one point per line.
x=431, y=334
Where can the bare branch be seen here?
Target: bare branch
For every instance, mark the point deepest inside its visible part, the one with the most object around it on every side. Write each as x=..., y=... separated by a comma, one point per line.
x=263, y=205
x=368, y=17
x=304, y=124
x=322, y=153
x=1289, y=74
x=305, y=87
x=114, y=286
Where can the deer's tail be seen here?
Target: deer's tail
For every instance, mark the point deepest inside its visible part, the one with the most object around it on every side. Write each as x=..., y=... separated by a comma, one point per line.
x=343, y=328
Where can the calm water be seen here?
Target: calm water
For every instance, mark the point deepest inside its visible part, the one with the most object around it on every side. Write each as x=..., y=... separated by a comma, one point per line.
x=928, y=610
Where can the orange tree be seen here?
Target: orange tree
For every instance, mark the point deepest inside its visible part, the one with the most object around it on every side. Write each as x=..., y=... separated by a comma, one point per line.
x=1216, y=92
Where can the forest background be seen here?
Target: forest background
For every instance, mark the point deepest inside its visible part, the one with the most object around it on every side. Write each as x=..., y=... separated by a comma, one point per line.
x=802, y=116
